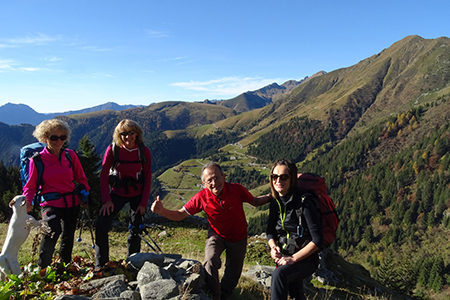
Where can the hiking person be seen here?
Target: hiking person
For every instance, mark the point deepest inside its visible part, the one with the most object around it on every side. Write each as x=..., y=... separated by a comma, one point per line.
x=294, y=248
x=125, y=177
x=222, y=202
x=58, y=196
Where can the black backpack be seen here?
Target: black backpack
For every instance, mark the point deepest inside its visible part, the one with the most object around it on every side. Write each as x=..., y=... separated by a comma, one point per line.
x=115, y=181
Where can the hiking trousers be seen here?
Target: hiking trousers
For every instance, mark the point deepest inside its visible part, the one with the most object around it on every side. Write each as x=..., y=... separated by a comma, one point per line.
x=65, y=223
x=103, y=226
x=235, y=254
x=289, y=279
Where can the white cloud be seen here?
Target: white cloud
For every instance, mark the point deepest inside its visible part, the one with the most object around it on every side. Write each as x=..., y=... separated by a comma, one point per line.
x=156, y=34
x=96, y=49
x=37, y=39
x=29, y=69
x=6, y=65
x=52, y=59
x=226, y=85
x=97, y=75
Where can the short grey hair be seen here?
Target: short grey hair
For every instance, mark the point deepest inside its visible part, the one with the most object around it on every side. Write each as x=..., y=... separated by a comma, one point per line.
x=211, y=165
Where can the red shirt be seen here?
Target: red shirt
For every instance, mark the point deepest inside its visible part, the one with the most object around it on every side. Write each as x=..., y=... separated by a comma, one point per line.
x=225, y=213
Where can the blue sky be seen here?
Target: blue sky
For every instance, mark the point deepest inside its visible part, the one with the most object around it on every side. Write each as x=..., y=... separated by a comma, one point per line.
x=65, y=55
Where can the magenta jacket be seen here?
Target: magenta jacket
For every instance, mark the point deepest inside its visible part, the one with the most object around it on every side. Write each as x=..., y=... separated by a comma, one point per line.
x=127, y=170
x=57, y=177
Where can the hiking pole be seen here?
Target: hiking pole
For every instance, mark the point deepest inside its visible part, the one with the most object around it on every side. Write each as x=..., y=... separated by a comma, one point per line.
x=144, y=230
x=143, y=238
x=86, y=212
x=85, y=218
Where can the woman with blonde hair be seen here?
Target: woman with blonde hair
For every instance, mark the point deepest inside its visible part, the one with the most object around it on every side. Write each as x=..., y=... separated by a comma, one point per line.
x=59, y=197
x=125, y=178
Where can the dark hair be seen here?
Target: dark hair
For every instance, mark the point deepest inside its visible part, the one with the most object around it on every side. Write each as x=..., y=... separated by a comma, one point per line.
x=292, y=168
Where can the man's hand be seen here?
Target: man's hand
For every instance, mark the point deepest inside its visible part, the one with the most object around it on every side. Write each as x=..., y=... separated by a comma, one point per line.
x=107, y=208
x=157, y=206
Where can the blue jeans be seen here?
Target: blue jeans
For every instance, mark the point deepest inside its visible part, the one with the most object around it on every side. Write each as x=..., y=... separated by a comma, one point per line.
x=103, y=225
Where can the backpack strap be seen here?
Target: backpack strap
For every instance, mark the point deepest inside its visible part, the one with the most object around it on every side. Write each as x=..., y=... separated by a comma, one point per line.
x=299, y=211
x=39, y=182
x=69, y=158
x=116, y=149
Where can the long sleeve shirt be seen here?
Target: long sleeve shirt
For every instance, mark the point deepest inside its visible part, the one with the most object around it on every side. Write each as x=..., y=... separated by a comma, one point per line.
x=58, y=177
x=125, y=170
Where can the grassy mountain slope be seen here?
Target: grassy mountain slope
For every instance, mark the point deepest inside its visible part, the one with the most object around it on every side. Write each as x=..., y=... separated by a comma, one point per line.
x=410, y=72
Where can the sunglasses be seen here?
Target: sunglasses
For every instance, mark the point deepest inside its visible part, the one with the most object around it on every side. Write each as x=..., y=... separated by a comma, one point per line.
x=283, y=177
x=54, y=138
x=125, y=133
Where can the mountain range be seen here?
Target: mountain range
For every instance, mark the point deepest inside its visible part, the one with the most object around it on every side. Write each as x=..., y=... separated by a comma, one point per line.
x=15, y=114
x=411, y=72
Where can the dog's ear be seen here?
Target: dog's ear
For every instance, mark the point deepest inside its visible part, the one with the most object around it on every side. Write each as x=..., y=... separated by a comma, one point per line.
x=22, y=199
x=12, y=202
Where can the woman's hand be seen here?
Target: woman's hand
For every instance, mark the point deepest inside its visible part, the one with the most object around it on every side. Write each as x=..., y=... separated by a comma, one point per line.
x=107, y=208
x=275, y=253
x=140, y=210
x=285, y=260
x=30, y=206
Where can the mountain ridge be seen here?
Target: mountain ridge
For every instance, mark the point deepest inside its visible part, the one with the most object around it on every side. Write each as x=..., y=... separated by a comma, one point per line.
x=15, y=114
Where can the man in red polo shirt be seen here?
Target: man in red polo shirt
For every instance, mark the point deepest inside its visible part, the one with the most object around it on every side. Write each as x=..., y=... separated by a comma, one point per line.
x=222, y=202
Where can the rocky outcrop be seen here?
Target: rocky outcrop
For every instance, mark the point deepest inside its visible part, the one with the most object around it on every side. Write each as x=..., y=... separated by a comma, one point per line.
x=263, y=274
x=170, y=276
x=158, y=276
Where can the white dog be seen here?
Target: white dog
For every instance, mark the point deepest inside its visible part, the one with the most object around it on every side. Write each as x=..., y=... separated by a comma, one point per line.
x=19, y=228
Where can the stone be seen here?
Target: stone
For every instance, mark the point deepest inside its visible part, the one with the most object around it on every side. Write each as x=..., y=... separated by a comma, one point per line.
x=160, y=290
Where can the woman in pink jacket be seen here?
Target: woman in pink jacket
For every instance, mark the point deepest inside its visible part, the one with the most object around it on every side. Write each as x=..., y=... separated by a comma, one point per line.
x=126, y=177
x=59, y=196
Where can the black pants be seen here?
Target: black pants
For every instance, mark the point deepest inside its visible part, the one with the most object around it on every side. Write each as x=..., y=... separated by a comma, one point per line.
x=289, y=279
x=103, y=225
x=65, y=222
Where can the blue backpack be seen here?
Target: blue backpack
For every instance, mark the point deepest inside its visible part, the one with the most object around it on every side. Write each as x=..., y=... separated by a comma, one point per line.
x=31, y=151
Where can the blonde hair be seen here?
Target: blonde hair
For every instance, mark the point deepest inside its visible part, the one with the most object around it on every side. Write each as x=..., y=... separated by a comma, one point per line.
x=43, y=130
x=128, y=125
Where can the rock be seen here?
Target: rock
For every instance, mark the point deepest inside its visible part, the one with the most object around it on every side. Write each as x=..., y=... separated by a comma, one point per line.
x=159, y=290
x=151, y=272
x=261, y=274
x=99, y=283
x=71, y=297
x=137, y=260
x=131, y=295
x=112, y=289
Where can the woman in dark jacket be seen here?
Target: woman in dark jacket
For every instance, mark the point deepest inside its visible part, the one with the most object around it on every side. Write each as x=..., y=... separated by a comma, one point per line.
x=294, y=244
